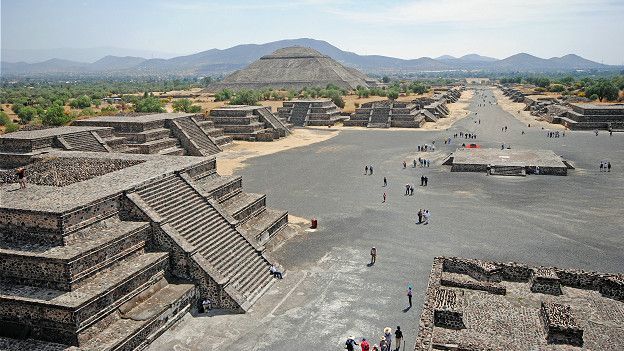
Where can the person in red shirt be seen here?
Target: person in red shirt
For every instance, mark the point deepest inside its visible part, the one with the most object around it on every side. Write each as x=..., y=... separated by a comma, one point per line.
x=365, y=345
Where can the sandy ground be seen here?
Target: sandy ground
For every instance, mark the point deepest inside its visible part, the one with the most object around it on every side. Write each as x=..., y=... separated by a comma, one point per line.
x=517, y=110
x=234, y=155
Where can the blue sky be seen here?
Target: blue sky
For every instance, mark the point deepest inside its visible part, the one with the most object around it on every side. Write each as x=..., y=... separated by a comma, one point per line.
x=407, y=29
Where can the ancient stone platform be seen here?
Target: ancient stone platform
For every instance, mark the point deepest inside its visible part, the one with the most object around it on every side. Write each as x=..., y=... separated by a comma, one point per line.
x=507, y=161
x=310, y=112
x=251, y=123
x=107, y=250
x=482, y=305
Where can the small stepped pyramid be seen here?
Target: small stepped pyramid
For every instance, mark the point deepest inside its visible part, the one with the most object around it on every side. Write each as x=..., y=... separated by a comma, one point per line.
x=215, y=134
x=206, y=228
x=314, y=112
x=250, y=123
x=102, y=290
x=380, y=118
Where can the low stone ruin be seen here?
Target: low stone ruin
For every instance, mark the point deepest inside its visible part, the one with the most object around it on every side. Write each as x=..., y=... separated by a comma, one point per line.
x=560, y=325
x=483, y=305
x=385, y=114
x=313, y=112
x=251, y=123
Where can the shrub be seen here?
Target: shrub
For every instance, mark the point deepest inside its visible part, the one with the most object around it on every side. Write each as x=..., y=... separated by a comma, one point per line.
x=148, y=104
x=108, y=111
x=11, y=127
x=393, y=93
x=55, y=116
x=223, y=95
x=83, y=101
x=557, y=88
x=4, y=119
x=27, y=114
x=593, y=97
x=185, y=105
x=245, y=97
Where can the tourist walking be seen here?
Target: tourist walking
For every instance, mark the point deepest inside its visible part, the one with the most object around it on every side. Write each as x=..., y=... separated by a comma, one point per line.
x=350, y=343
x=404, y=164
x=601, y=166
x=384, y=197
x=409, y=295
x=422, y=180
x=411, y=190
x=373, y=254
x=364, y=345
x=366, y=170
x=426, y=180
x=383, y=344
x=388, y=336
x=398, y=337
x=608, y=166
x=420, y=216
x=407, y=189
x=21, y=177
x=385, y=181
x=371, y=170
x=427, y=215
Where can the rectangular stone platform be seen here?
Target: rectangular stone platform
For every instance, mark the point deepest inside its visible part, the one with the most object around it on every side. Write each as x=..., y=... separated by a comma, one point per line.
x=533, y=161
x=465, y=315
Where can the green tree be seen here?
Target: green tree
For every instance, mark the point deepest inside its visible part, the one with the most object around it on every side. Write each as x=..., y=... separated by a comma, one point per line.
x=149, y=104
x=245, y=97
x=418, y=88
x=206, y=81
x=83, y=101
x=604, y=89
x=223, y=95
x=385, y=79
x=55, y=116
x=185, y=105
x=27, y=114
x=393, y=94
x=4, y=119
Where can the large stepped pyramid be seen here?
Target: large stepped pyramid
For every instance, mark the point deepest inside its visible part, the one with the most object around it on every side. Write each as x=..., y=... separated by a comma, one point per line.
x=111, y=260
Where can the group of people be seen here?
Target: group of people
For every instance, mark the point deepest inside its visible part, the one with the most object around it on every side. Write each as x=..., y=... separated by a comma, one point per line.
x=424, y=180
x=423, y=218
x=464, y=135
x=605, y=166
x=409, y=190
x=426, y=147
x=368, y=170
x=385, y=342
x=555, y=134
x=422, y=162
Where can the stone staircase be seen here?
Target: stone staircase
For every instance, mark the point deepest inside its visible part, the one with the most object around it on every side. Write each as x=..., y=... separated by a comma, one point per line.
x=274, y=122
x=205, y=227
x=380, y=118
x=508, y=170
x=216, y=134
x=203, y=141
x=101, y=291
x=84, y=141
x=254, y=218
x=299, y=115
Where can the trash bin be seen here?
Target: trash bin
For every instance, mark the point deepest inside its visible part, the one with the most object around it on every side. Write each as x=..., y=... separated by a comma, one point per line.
x=314, y=223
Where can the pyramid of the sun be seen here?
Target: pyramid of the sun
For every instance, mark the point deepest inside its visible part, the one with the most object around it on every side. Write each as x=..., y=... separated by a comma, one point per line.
x=293, y=68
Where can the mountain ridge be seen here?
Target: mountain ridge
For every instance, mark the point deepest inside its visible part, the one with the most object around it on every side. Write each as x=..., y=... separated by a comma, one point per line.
x=223, y=61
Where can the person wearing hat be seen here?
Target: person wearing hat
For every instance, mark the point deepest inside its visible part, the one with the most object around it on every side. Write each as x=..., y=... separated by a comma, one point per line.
x=364, y=345
x=388, y=336
x=383, y=344
x=398, y=337
x=350, y=343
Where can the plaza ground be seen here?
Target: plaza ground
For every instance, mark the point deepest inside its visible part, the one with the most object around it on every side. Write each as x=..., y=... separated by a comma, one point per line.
x=330, y=292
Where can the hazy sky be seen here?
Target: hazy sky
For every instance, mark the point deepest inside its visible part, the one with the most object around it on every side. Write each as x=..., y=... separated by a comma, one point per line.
x=408, y=29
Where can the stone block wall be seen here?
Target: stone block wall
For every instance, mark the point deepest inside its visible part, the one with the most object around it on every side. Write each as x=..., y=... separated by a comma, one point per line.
x=560, y=325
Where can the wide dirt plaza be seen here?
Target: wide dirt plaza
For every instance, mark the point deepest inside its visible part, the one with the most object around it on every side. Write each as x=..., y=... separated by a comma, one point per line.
x=330, y=292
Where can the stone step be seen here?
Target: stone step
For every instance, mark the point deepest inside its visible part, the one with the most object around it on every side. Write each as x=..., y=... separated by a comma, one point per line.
x=220, y=188
x=173, y=151
x=222, y=140
x=244, y=205
x=153, y=146
x=258, y=283
x=69, y=313
x=145, y=136
x=265, y=224
x=67, y=267
x=136, y=328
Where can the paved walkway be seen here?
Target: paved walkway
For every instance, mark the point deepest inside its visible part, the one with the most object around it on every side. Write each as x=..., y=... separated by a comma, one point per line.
x=330, y=292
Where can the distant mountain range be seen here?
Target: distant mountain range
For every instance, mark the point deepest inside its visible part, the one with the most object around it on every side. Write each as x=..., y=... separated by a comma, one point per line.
x=219, y=62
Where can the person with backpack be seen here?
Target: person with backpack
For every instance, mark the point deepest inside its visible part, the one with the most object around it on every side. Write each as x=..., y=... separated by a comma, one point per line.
x=350, y=344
